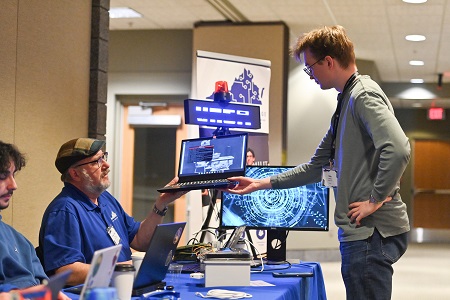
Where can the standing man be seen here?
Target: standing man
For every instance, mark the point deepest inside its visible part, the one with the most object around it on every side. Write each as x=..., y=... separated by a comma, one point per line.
x=19, y=266
x=85, y=217
x=362, y=156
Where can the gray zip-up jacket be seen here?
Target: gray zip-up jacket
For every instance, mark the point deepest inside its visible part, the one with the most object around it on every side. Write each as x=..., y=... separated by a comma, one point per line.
x=372, y=152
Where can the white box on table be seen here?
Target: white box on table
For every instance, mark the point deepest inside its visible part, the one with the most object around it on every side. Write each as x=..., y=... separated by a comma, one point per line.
x=227, y=268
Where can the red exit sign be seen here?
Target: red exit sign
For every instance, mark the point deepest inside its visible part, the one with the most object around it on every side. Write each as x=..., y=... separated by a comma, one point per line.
x=436, y=113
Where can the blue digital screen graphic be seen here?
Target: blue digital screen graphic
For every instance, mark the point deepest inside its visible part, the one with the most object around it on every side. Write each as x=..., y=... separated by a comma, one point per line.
x=221, y=114
x=224, y=154
x=301, y=208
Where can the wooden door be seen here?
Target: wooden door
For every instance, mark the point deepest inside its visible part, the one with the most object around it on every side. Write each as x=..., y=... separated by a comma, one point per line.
x=179, y=207
x=431, y=182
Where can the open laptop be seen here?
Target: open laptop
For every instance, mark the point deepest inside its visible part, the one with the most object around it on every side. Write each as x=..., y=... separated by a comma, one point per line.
x=206, y=163
x=100, y=272
x=235, y=236
x=157, y=258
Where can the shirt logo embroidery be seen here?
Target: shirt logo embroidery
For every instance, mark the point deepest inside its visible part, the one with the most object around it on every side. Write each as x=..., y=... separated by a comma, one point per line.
x=113, y=216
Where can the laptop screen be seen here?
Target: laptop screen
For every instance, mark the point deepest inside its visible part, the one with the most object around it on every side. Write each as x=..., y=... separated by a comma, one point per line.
x=213, y=158
x=158, y=257
x=100, y=270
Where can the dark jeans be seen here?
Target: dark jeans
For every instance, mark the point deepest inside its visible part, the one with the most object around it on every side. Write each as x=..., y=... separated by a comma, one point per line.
x=367, y=265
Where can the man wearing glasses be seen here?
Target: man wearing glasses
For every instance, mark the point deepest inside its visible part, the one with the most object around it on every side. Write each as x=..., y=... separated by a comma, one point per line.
x=362, y=157
x=84, y=217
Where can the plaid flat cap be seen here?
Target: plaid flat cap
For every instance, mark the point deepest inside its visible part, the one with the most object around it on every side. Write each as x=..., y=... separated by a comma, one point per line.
x=76, y=150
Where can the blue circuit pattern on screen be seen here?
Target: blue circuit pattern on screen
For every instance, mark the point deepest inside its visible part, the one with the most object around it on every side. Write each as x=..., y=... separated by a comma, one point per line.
x=304, y=207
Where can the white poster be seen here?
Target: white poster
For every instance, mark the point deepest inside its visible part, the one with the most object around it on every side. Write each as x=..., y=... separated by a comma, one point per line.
x=248, y=80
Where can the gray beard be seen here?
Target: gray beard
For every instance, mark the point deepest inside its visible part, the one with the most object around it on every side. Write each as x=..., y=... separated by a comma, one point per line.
x=91, y=187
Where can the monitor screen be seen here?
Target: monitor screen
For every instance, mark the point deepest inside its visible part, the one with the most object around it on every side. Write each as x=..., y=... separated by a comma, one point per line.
x=301, y=208
x=224, y=156
x=222, y=114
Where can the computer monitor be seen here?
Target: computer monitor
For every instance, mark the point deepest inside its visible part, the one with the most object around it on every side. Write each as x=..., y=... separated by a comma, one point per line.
x=222, y=114
x=304, y=208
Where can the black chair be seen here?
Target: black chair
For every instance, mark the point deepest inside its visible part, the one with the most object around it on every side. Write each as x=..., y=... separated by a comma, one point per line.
x=40, y=255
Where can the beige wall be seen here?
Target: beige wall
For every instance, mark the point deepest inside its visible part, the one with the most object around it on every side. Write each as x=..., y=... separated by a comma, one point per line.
x=44, y=88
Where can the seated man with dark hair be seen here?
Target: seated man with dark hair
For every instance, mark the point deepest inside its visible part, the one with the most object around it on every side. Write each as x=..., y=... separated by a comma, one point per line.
x=19, y=266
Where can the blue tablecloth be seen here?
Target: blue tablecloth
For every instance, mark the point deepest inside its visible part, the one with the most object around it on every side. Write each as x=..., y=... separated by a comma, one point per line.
x=289, y=288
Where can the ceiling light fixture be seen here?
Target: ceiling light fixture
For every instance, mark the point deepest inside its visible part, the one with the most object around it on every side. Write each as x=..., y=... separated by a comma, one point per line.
x=416, y=80
x=415, y=1
x=416, y=93
x=416, y=62
x=123, y=13
x=415, y=38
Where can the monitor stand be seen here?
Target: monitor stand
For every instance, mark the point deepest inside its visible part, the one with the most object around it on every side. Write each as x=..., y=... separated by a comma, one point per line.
x=276, y=246
x=220, y=131
x=211, y=208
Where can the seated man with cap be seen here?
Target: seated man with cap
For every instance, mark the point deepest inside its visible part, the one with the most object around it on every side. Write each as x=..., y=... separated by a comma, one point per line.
x=85, y=217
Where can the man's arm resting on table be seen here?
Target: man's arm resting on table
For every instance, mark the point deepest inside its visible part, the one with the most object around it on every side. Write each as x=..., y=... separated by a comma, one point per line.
x=79, y=272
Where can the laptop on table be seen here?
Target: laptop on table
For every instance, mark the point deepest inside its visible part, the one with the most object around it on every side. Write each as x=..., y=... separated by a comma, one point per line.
x=157, y=258
x=100, y=271
x=206, y=163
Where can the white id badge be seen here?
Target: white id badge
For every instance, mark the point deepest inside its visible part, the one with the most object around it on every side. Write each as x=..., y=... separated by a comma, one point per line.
x=113, y=234
x=329, y=177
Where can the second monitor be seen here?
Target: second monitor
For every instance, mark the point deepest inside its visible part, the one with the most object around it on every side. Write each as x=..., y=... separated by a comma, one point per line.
x=304, y=208
x=301, y=208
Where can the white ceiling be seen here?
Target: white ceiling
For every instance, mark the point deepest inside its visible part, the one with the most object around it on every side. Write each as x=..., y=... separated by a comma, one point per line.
x=377, y=27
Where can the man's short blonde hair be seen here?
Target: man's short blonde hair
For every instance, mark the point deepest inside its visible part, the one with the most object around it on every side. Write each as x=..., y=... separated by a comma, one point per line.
x=326, y=41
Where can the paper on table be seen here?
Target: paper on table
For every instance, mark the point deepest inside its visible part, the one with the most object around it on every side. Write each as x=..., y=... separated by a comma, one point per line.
x=260, y=283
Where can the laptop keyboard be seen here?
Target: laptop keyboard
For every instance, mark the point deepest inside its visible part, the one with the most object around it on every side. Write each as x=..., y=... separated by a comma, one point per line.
x=199, y=184
x=203, y=182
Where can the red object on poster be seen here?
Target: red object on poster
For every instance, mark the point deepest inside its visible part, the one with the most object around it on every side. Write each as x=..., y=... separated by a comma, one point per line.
x=221, y=87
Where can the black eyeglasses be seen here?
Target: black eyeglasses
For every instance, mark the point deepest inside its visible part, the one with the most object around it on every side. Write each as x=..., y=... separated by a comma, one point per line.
x=99, y=161
x=308, y=69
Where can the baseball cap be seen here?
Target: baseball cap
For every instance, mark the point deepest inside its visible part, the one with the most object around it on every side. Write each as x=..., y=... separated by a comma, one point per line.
x=76, y=150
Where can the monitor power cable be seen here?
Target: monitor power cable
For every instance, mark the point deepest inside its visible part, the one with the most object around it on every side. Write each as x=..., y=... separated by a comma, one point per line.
x=258, y=253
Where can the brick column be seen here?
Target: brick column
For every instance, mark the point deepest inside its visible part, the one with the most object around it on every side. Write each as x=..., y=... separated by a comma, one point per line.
x=98, y=69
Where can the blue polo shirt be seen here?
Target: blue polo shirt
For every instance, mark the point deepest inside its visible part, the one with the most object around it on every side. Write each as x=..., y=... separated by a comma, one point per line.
x=73, y=228
x=19, y=265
